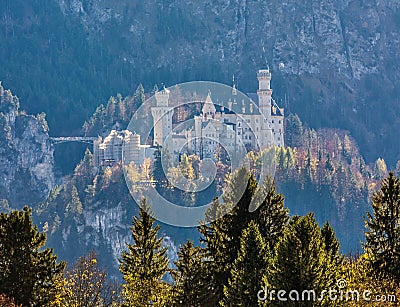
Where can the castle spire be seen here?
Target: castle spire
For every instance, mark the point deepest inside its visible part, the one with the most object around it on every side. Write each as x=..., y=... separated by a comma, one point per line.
x=234, y=91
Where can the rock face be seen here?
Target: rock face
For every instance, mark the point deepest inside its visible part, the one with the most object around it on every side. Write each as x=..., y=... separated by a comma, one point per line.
x=26, y=154
x=353, y=38
x=335, y=62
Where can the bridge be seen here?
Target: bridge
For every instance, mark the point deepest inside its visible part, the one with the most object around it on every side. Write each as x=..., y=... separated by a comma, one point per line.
x=81, y=139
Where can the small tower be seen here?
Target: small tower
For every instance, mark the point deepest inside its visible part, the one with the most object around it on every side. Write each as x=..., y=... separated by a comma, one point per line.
x=162, y=116
x=208, y=109
x=264, y=92
x=234, y=90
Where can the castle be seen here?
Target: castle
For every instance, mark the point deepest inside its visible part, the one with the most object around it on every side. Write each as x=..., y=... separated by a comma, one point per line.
x=254, y=126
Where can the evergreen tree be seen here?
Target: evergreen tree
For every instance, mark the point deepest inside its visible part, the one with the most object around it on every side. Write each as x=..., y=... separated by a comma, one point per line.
x=332, y=244
x=383, y=229
x=246, y=275
x=294, y=130
x=190, y=289
x=27, y=273
x=139, y=97
x=243, y=203
x=302, y=263
x=271, y=214
x=144, y=263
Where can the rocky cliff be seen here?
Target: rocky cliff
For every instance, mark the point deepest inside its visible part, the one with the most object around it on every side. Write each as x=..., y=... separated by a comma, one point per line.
x=26, y=154
x=335, y=63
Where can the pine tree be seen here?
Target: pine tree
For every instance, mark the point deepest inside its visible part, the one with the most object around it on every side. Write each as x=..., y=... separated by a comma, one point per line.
x=383, y=229
x=243, y=203
x=190, y=289
x=27, y=273
x=144, y=263
x=332, y=247
x=139, y=97
x=246, y=275
x=302, y=263
x=271, y=214
x=294, y=130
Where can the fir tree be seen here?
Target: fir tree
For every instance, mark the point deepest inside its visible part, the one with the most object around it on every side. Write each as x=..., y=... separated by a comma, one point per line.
x=190, y=288
x=144, y=263
x=383, y=229
x=271, y=214
x=139, y=97
x=332, y=246
x=302, y=263
x=27, y=273
x=294, y=130
x=243, y=203
x=246, y=275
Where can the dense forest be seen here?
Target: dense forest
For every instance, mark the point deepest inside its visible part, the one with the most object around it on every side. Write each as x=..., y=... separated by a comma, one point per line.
x=258, y=258
x=339, y=58
x=322, y=229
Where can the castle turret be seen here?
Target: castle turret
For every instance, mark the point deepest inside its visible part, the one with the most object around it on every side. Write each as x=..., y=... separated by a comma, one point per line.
x=264, y=92
x=208, y=109
x=162, y=116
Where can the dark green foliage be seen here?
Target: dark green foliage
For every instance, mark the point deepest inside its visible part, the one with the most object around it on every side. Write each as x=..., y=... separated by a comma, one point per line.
x=27, y=272
x=293, y=131
x=383, y=229
x=222, y=236
x=302, y=261
x=246, y=275
x=145, y=262
x=332, y=244
x=138, y=97
x=190, y=288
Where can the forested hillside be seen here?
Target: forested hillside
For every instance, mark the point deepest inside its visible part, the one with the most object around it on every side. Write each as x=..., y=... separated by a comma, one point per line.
x=334, y=62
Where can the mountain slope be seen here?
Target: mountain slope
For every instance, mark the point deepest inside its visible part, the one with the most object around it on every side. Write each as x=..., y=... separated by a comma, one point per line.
x=334, y=62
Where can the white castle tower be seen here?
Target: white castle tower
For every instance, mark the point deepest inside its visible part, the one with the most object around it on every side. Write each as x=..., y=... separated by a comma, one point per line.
x=162, y=116
x=264, y=92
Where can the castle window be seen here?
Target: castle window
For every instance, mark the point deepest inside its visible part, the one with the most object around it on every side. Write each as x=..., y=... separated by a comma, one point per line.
x=279, y=121
x=273, y=121
x=273, y=130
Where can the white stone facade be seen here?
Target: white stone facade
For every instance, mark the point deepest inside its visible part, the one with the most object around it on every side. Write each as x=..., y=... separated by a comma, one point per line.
x=252, y=128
